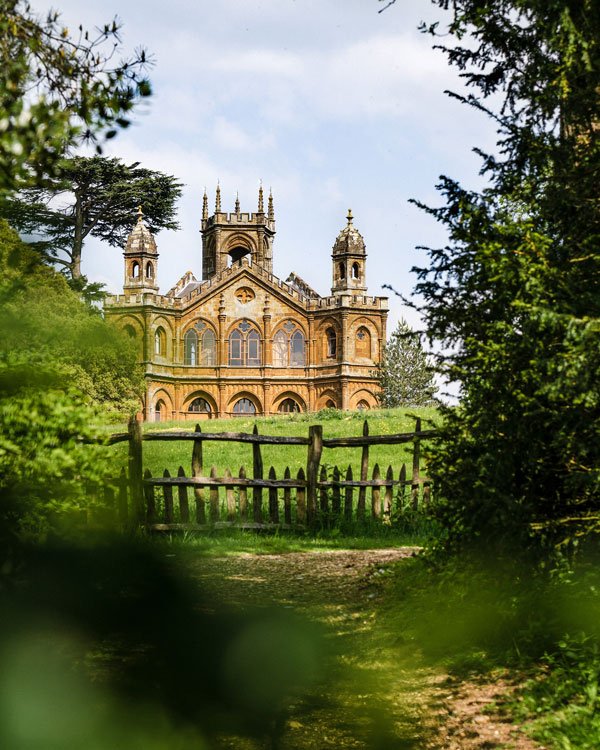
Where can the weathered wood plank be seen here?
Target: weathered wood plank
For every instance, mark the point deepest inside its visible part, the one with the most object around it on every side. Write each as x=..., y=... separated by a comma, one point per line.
x=348, y=495
x=229, y=498
x=287, y=498
x=376, y=493
x=168, y=499
x=213, y=497
x=273, y=499
x=227, y=437
x=315, y=448
x=389, y=493
x=257, y=471
x=150, y=499
x=243, y=495
x=336, y=501
x=364, y=468
x=197, y=471
x=184, y=508
x=402, y=487
x=135, y=470
x=301, y=497
x=359, y=442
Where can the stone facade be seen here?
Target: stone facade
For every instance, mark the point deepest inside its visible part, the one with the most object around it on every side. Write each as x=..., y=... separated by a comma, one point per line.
x=241, y=340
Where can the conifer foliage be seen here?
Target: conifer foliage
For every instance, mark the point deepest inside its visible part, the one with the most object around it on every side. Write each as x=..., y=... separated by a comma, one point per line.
x=405, y=375
x=514, y=295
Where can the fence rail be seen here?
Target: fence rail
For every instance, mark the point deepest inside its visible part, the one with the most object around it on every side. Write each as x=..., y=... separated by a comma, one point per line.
x=315, y=495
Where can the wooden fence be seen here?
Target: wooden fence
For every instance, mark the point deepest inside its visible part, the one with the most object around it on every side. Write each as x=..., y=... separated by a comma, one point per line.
x=314, y=496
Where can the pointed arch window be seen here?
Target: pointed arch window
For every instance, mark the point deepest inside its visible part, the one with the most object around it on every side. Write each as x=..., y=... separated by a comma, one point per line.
x=149, y=270
x=289, y=406
x=362, y=345
x=243, y=406
x=289, y=346
x=190, y=348
x=160, y=411
x=200, y=405
x=135, y=270
x=331, y=343
x=342, y=270
x=160, y=342
x=244, y=346
x=355, y=270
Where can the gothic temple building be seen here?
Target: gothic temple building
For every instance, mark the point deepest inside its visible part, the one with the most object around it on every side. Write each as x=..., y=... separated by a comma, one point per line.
x=241, y=341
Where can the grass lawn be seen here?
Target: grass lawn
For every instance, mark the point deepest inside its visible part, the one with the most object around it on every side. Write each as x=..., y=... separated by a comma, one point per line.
x=159, y=456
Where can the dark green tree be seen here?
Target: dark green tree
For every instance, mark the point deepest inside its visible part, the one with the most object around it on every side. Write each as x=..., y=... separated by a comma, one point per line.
x=514, y=295
x=405, y=374
x=57, y=89
x=91, y=197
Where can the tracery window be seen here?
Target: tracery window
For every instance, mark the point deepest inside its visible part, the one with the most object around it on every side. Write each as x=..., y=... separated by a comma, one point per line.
x=200, y=405
x=244, y=406
x=331, y=342
x=289, y=346
x=362, y=345
x=244, y=346
x=190, y=347
x=289, y=405
x=363, y=405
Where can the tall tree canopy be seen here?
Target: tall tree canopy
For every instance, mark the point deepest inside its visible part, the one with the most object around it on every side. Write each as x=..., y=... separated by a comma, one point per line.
x=405, y=375
x=95, y=197
x=514, y=294
x=57, y=89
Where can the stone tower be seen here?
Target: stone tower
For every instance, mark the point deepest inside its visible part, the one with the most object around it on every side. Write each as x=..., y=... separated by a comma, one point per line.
x=141, y=259
x=349, y=259
x=229, y=237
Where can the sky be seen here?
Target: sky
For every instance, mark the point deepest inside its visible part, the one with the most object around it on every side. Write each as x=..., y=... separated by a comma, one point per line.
x=329, y=103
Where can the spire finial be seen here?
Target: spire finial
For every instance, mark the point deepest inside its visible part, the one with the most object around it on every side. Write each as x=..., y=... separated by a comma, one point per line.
x=140, y=214
x=237, y=203
x=205, y=206
x=271, y=210
x=261, y=206
x=218, y=199
x=349, y=217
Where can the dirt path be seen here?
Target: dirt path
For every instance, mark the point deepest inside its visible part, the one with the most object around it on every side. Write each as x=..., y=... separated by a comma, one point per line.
x=369, y=699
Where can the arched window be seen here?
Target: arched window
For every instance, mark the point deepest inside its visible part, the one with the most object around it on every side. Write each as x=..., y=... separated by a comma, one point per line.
x=200, y=405
x=280, y=349
x=342, y=270
x=130, y=331
x=190, y=348
x=289, y=346
x=363, y=405
x=135, y=270
x=331, y=342
x=159, y=411
x=244, y=406
x=355, y=270
x=208, y=353
x=244, y=346
x=149, y=270
x=160, y=342
x=288, y=405
x=330, y=404
x=362, y=345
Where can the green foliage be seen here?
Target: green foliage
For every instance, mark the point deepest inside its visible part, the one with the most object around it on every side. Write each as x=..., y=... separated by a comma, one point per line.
x=514, y=294
x=405, y=374
x=57, y=89
x=91, y=197
x=62, y=370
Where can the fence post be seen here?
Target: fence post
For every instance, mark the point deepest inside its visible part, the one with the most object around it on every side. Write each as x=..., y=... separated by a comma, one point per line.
x=273, y=499
x=364, y=468
x=197, y=470
x=376, y=494
x=415, y=466
x=336, y=502
x=136, y=485
x=213, y=496
x=348, y=496
x=257, y=471
x=184, y=508
x=230, y=496
x=243, y=496
x=389, y=489
x=315, y=448
x=301, y=499
x=287, y=499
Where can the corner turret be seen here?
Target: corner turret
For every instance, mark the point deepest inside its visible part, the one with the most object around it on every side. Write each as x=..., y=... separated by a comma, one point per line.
x=141, y=259
x=349, y=259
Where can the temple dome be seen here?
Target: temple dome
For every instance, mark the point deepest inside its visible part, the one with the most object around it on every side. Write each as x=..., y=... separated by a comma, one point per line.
x=140, y=240
x=349, y=240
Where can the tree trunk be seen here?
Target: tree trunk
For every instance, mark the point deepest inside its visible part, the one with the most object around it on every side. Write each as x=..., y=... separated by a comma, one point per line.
x=75, y=265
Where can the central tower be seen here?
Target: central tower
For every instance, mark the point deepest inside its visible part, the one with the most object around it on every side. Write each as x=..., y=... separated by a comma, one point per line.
x=229, y=237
